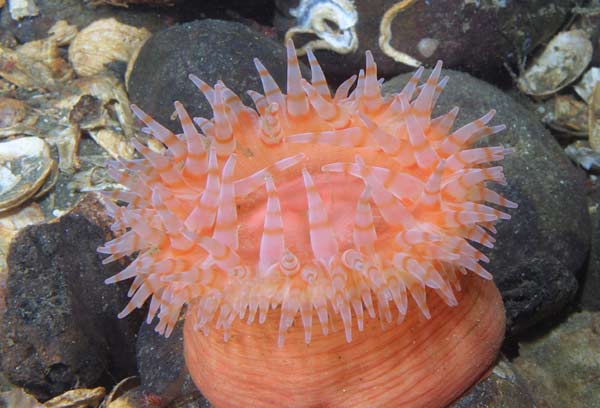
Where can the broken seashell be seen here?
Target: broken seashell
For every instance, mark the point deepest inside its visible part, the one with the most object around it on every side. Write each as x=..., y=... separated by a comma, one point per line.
x=25, y=163
x=594, y=118
x=50, y=182
x=66, y=140
x=333, y=22
x=585, y=87
x=62, y=33
x=94, y=179
x=20, y=9
x=78, y=398
x=113, y=97
x=12, y=111
x=581, y=153
x=93, y=104
x=48, y=53
x=102, y=42
x=114, y=143
x=385, y=36
x=36, y=64
x=562, y=61
x=567, y=114
x=120, y=389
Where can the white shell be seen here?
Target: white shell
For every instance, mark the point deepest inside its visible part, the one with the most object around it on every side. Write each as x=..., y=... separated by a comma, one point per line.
x=315, y=17
x=585, y=86
x=102, y=42
x=562, y=61
x=20, y=9
x=25, y=163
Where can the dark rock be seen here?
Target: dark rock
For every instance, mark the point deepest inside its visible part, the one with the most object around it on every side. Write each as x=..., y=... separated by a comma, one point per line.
x=540, y=249
x=590, y=280
x=210, y=49
x=60, y=328
x=502, y=388
x=162, y=365
x=561, y=366
x=473, y=36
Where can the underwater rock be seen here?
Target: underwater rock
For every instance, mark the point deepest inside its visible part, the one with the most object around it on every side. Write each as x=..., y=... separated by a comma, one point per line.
x=502, y=388
x=59, y=329
x=561, y=366
x=162, y=367
x=473, y=36
x=210, y=49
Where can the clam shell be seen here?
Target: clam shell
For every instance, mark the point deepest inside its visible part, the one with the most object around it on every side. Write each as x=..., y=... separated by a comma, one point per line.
x=102, y=42
x=594, y=118
x=562, y=61
x=585, y=87
x=25, y=163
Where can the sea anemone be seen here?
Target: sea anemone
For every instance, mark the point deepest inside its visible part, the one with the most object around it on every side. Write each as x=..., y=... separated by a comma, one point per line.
x=322, y=208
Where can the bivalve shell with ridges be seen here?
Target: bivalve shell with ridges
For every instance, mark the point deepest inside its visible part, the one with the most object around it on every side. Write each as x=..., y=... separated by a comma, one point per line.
x=102, y=42
x=25, y=163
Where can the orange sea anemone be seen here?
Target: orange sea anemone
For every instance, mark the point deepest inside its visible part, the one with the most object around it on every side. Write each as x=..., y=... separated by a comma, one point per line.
x=317, y=208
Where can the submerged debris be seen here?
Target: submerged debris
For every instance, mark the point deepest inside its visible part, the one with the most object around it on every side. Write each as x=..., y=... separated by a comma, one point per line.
x=594, y=118
x=581, y=153
x=19, y=9
x=316, y=18
x=25, y=163
x=78, y=398
x=562, y=61
x=568, y=115
x=585, y=87
x=12, y=112
x=102, y=42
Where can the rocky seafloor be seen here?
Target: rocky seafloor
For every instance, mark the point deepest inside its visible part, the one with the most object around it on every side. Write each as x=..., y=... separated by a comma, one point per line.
x=69, y=70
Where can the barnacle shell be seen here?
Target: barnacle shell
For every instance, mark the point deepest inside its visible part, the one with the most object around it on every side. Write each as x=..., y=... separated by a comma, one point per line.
x=565, y=58
x=24, y=165
x=102, y=42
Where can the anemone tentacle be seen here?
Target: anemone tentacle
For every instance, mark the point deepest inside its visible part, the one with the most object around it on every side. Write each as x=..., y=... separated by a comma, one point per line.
x=325, y=207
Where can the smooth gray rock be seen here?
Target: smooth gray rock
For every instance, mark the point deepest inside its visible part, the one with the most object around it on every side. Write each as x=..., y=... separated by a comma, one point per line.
x=210, y=49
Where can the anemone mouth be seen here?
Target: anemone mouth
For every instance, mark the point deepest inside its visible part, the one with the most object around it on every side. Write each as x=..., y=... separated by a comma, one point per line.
x=333, y=206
